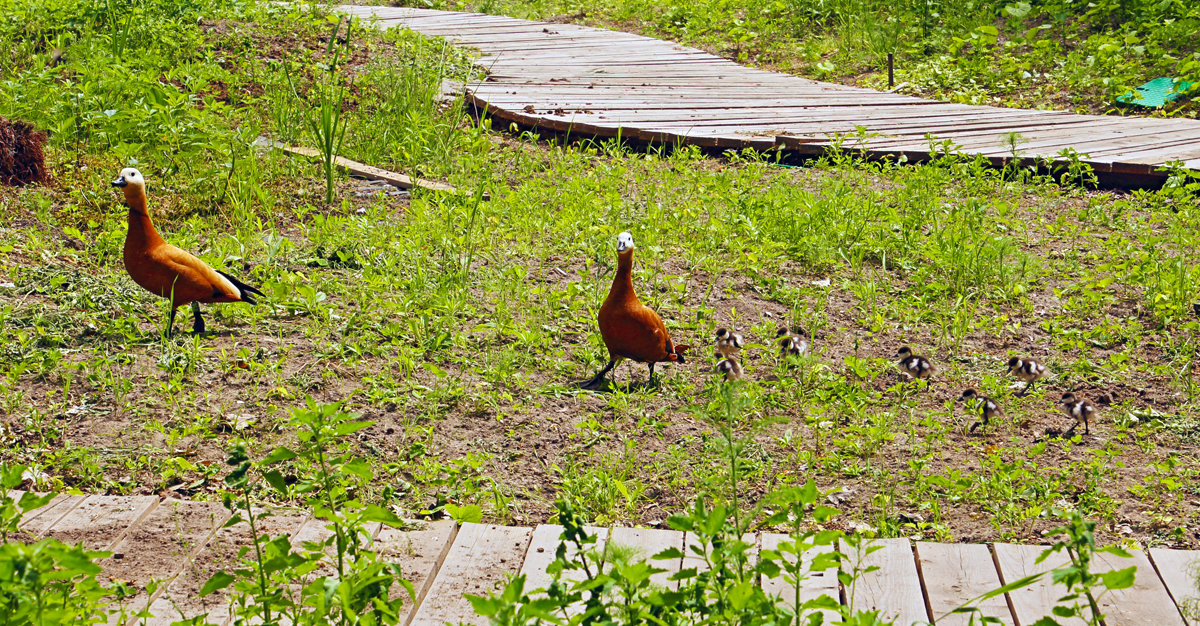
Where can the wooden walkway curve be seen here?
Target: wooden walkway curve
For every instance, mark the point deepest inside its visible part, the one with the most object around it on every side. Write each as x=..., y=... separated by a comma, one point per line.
x=182, y=543
x=600, y=83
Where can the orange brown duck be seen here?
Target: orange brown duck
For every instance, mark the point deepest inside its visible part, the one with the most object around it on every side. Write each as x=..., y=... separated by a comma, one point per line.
x=166, y=271
x=630, y=329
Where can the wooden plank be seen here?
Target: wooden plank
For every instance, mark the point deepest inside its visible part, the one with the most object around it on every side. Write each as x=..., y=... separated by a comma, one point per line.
x=649, y=542
x=1035, y=601
x=895, y=588
x=609, y=83
x=99, y=522
x=181, y=598
x=542, y=546
x=38, y=521
x=953, y=574
x=1178, y=569
x=419, y=552
x=359, y=169
x=477, y=563
x=814, y=585
x=542, y=549
x=160, y=546
x=1146, y=602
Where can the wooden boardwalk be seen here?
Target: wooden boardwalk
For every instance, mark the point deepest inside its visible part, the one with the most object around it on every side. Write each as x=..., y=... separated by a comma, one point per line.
x=183, y=543
x=590, y=82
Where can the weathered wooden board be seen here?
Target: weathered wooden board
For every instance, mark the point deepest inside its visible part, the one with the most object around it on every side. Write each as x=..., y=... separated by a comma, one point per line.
x=895, y=588
x=419, y=552
x=38, y=521
x=1178, y=569
x=477, y=563
x=813, y=584
x=181, y=597
x=100, y=521
x=160, y=546
x=591, y=81
x=649, y=542
x=1035, y=601
x=1146, y=602
x=953, y=574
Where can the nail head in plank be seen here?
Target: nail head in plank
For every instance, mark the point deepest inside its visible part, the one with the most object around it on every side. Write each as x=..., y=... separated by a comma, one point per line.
x=894, y=589
x=955, y=573
x=477, y=563
x=649, y=542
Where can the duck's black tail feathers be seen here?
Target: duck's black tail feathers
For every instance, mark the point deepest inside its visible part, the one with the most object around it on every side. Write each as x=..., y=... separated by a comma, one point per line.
x=244, y=290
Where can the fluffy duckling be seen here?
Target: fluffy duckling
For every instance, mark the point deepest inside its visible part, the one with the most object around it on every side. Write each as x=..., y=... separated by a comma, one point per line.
x=729, y=343
x=912, y=365
x=730, y=367
x=167, y=271
x=792, y=343
x=987, y=407
x=630, y=329
x=1081, y=410
x=1027, y=370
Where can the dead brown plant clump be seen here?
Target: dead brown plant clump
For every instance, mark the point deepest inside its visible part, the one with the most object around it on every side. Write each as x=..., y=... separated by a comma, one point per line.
x=21, y=159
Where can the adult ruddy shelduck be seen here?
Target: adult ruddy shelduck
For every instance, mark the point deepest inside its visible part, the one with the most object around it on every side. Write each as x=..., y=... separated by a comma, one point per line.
x=167, y=271
x=630, y=329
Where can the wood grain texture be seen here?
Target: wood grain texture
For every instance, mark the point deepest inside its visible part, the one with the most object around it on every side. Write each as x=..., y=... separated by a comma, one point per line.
x=580, y=80
x=648, y=542
x=477, y=563
x=895, y=588
x=956, y=573
x=813, y=584
x=1035, y=601
x=1146, y=602
x=181, y=597
x=1178, y=569
x=99, y=522
x=419, y=552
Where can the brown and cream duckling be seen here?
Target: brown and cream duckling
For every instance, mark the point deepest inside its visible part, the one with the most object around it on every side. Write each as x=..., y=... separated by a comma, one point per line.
x=912, y=365
x=1079, y=409
x=730, y=367
x=729, y=343
x=987, y=407
x=1027, y=370
x=792, y=343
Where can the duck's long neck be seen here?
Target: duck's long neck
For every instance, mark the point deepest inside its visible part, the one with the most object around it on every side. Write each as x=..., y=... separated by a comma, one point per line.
x=622, y=285
x=141, y=230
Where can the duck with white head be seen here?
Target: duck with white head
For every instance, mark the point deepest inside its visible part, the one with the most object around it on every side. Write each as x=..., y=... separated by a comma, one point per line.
x=166, y=271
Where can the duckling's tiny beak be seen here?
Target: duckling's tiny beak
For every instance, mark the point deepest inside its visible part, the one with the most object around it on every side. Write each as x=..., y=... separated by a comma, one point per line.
x=120, y=182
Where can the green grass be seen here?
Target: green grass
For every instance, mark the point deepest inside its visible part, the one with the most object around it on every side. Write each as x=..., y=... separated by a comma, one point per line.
x=460, y=327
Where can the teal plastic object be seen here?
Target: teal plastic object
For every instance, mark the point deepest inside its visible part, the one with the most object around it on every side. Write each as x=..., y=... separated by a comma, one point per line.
x=1155, y=93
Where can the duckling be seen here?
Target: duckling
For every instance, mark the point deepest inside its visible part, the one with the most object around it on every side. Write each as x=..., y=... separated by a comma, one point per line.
x=729, y=343
x=912, y=365
x=1082, y=410
x=630, y=329
x=167, y=271
x=730, y=367
x=792, y=343
x=1027, y=370
x=988, y=407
